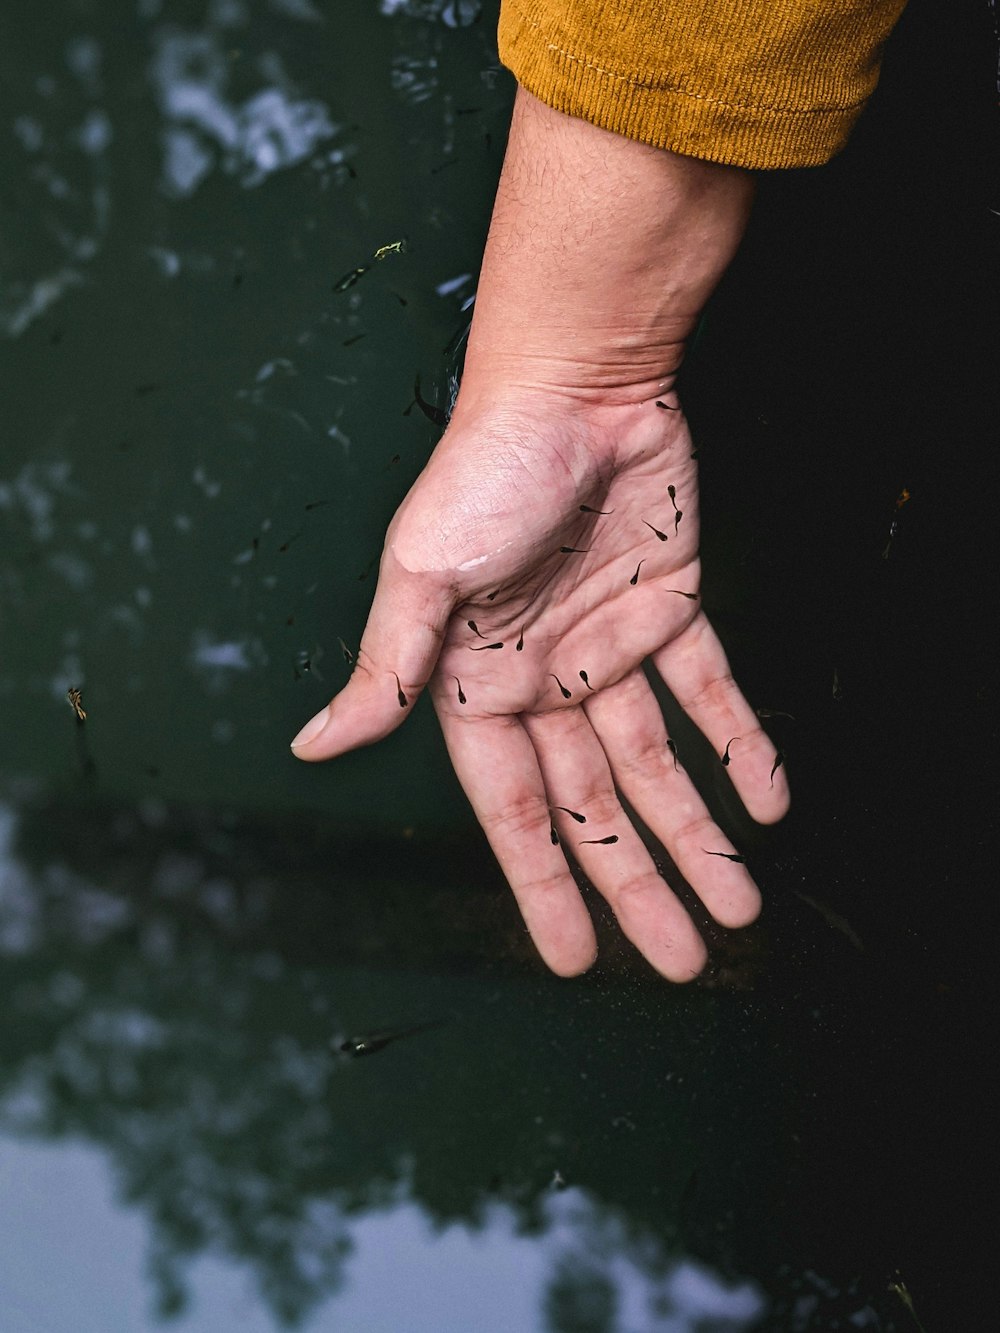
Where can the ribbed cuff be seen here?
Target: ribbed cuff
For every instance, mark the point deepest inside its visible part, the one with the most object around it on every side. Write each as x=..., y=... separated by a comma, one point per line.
x=750, y=83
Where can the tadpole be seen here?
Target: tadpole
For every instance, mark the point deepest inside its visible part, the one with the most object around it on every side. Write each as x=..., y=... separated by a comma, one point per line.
x=403, y=701
x=566, y=694
x=580, y=819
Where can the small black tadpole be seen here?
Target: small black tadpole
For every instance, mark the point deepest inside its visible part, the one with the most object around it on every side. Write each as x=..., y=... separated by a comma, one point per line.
x=691, y=596
x=661, y=535
x=588, y=509
x=678, y=515
x=600, y=842
x=349, y=279
x=583, y=677
x=672, y=492
x=566, y=694
x=779, y=759
x=666, y=406
x=725, y=757
x=430, y=411
x=491, y=595
x=635, y=577
x=403, y=701
x=483, y=647
x=519, y=646
x=475, y=628
x=672, y=747
x=730, y=856
x=580, y=819
x=461, y=697
x=553, y=835
x=574, y=550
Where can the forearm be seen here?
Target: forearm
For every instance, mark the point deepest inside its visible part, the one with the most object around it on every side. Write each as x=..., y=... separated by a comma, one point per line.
x=601, y=253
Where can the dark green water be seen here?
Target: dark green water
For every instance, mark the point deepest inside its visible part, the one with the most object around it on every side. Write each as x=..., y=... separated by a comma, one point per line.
x=200, y=444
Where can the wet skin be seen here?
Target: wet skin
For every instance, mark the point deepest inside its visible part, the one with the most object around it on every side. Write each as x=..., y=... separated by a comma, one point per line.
x=529, y=736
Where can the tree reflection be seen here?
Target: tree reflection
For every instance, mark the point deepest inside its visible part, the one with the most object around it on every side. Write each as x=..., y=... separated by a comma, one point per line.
x=178, y=985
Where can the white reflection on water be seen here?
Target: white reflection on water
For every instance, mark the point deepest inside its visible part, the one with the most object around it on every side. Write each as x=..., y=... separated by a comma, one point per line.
x=402, y=1273
x=269, y=131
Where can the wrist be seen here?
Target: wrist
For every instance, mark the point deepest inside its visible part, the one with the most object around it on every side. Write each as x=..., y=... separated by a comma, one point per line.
x=601, y=254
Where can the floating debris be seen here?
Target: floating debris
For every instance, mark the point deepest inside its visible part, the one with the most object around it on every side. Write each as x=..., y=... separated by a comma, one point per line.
x=75, y=697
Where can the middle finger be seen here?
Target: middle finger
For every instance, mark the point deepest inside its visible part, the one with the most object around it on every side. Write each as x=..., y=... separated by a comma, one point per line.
x=606, y=846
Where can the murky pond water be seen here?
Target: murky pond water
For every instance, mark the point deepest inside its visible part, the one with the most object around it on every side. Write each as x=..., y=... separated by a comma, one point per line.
x=275, y=1050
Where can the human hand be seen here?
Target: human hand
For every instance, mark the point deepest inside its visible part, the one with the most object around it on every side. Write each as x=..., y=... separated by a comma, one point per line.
x=567, y=535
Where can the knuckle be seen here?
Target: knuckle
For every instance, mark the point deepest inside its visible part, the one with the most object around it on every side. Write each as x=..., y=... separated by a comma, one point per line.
x=518, y=817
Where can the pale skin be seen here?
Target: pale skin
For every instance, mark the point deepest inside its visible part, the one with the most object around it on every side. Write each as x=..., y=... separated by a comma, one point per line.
x=600, y=256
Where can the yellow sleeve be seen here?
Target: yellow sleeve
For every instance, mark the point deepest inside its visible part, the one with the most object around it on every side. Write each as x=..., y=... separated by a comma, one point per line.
x=751, y=83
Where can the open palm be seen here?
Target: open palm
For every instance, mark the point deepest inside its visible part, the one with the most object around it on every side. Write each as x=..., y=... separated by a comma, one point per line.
x=538, y=561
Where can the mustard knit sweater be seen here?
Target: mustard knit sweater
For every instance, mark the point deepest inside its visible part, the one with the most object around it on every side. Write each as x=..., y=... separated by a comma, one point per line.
x=752, y=83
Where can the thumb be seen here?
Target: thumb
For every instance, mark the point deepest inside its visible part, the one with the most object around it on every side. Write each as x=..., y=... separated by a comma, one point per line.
x=399, y=650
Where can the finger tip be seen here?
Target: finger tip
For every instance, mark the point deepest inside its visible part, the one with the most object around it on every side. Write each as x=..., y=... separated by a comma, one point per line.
x=309, y=734
x=574, y=964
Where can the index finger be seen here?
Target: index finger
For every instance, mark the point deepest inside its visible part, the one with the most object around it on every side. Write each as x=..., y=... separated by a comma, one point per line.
x=496, y=764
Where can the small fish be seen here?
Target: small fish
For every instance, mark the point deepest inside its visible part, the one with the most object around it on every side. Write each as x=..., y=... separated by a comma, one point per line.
x=600, y=842
x=349, y=279
x=403, y=701
x=832, y=919
x=393, y=248
x=566, y=694
x=635, y=577
x=691, y=596
x=580, y=819
x=461, y=697
x=475, y=629
x=586, y=509
x=483, y=647
x=730, y=856
x=779, y=759
x=371, y=1042
x=672, y=747
x=725, y=757
x=666, y=406
x=772, y=712
x=574, y=550
x=519, y=646
x=75, y=697
x=661, y=535
x=348, y=655
x=586, y=681
x=432, y=413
